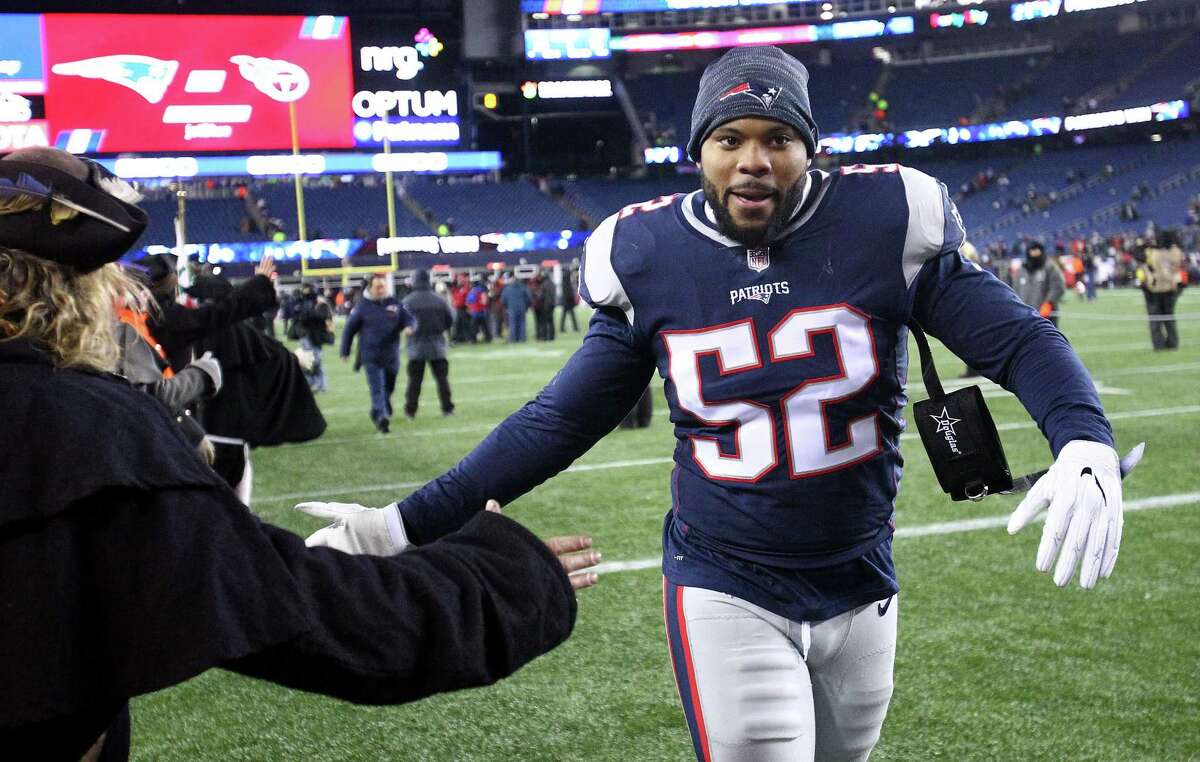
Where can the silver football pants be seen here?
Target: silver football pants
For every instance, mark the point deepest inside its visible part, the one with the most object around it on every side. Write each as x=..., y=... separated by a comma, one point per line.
x=756, y=686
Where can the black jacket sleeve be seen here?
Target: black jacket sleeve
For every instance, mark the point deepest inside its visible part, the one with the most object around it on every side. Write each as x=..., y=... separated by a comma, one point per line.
x=178, y=327
x=462, y=612
x=133, y=590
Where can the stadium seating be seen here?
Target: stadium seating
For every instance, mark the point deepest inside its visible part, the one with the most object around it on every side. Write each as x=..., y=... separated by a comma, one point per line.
x=1044, y=84
x=600, y=198
x=491, y=207
x=215, y=220
x=1166, y=76
x=1162, y=174
x=1085, y=69
x=919, y=96
x=836, y=92
x=839, y=91
x=339, y=211
x=1057, y=193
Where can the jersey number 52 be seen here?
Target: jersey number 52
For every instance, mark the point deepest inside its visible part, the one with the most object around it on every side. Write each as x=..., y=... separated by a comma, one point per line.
x=806, y=425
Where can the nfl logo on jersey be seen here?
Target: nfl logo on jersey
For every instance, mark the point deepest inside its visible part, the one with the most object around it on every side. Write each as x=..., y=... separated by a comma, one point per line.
x=758, y=259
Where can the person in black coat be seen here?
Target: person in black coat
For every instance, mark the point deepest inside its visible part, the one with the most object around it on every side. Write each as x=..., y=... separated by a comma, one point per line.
x=179, y=329
x=312, y=321
x=127, y=565
x=567, y=298
x=427, y=345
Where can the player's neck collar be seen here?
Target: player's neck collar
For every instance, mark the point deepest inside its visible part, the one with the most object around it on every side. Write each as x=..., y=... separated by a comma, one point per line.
x=699, y=214
x=814, y=191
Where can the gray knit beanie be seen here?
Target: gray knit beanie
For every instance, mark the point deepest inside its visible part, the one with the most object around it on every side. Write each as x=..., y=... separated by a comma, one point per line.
x=758, y=81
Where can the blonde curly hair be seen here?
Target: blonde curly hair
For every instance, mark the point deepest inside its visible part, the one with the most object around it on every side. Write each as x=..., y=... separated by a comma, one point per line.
x=70, y=315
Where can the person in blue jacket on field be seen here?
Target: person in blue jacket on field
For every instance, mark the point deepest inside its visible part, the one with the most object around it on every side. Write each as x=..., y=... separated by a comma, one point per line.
x=380, y=318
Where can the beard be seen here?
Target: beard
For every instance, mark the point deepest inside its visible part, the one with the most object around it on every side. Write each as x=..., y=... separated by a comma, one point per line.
x=760, y=234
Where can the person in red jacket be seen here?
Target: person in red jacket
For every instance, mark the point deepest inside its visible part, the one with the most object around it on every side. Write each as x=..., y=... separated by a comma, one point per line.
x=462, y=318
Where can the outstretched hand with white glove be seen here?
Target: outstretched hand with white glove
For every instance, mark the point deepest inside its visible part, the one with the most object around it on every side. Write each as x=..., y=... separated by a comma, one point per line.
x=1083, y=492
x=358, y=529
x=380, y=532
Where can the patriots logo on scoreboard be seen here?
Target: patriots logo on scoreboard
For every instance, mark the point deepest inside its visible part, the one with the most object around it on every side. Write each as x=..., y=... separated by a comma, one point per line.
x=146, y=76
x=764, y=95
x=758, y=259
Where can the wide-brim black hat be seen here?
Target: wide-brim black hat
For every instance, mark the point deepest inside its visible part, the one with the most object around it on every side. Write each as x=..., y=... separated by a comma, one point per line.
x=105, y=227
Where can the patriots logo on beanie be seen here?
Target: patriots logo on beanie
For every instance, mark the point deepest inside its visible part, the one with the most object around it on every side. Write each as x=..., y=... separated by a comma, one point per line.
x=758, y=81
x=764, y=95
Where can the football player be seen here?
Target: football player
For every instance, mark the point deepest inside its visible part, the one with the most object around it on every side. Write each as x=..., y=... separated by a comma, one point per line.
x=774, y=302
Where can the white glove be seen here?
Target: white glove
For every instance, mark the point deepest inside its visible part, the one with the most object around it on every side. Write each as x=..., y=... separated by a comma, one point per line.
x=1083, y=492
x=357, y=529
x=211, y=367
x=307, y=358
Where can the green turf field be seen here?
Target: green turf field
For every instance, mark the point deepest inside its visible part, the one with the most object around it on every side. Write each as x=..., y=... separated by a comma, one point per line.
x=994, y=662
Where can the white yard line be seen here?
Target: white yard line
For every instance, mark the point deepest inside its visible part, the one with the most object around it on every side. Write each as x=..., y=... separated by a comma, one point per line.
x=430, y=395
x=614, y=464
x=398, y=435
x=408, y=485
x=1171, y=368
x=1138, y=318
x=941, y=528
x=507, y=353
x=536, y=375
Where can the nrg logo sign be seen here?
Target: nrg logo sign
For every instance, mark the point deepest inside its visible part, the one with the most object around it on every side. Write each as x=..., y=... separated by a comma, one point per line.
x=404, y=60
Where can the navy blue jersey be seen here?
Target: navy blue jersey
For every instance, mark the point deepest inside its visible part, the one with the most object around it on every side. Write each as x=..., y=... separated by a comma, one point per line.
x=785, y=370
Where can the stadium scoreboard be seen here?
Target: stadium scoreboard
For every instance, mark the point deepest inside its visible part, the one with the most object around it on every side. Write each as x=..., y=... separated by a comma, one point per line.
x=122, y=83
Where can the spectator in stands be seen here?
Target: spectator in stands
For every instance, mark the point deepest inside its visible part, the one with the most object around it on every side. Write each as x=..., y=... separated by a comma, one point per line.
x=1039, y=282
x=477, y=306
x=313, y=322
x=567, y=299
x=1161, y=281
x=516, y=298
x=380, y=319
x=427, y=344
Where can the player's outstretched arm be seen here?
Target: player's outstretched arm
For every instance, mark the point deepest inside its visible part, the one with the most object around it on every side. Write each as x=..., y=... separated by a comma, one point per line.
x=359, y=530
x=581, y=404
x=982, y=321
x=465, y=611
